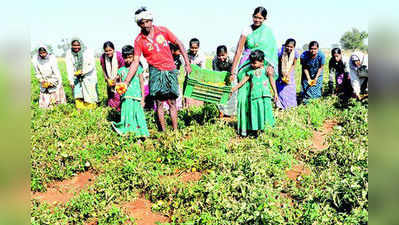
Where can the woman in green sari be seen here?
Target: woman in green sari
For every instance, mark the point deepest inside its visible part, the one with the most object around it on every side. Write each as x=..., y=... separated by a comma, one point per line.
x=257, y=36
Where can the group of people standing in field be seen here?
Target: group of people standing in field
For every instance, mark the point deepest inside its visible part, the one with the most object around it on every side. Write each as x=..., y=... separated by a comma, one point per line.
x=260, y=74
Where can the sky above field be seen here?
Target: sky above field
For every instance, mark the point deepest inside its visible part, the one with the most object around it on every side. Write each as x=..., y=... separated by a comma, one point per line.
x=214, y=22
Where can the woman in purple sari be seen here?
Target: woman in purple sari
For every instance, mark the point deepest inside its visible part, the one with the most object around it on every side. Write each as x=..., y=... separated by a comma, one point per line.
x=286, y=86
x=111, y=61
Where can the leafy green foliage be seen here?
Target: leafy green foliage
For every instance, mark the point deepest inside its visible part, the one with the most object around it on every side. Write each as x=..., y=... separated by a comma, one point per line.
x=354, y=40
x=243, y=181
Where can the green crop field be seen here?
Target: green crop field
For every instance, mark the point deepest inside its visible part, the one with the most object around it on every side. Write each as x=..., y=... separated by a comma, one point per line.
x=243, y=180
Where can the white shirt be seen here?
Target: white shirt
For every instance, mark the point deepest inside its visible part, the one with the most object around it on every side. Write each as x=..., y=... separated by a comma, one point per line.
x=247, y=31
x=89, y=66
x=47, y=70
x=198, y=59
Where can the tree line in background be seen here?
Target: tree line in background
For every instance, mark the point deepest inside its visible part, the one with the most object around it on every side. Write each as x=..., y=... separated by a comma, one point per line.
x=350, y=40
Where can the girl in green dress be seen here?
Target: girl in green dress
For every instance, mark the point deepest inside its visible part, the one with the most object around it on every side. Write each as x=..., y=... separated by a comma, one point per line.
x=256, y=36
x=132, y=113
x=260, y=104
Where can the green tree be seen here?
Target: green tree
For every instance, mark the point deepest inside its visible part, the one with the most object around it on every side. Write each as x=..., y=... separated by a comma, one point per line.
x=64, y=46
x=354, y=39
x=305, y=47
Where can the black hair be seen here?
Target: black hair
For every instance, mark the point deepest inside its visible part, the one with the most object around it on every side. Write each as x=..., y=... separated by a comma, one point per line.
x=335, y=51
x=333, y=64
x=194, y=41
x=108, y=44
x=257, y=55
x=73, y=41
x=289, y=40
x=127, y=50
x=260, y=10
x=221, y=49
x=313, y=43
x=142, y=9
x=222, y=65
x=41, y=49
x=173, y=47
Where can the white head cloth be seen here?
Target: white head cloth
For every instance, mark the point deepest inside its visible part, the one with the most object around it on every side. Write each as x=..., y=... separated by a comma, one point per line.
x=144, y=15
x=356, y=56
x=42, y=45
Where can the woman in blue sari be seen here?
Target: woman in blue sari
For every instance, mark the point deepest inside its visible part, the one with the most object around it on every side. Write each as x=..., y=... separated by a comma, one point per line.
x=256, y=36
x=312, y=62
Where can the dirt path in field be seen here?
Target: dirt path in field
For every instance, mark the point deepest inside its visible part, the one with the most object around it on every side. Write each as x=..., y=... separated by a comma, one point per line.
x=319, y=137
x=61, y=192
x=319, y=143
x=185, y=176
x=140, y=210
x=190, y=176
x=288, y=197
x=297, y=171
x=92, y=222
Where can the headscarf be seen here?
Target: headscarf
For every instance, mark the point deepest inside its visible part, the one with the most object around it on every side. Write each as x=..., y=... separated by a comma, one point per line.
x=111, y=65
x=38, y=52
x=144, y=15
x=357, y=55
x=287, y=60
x=78, y=56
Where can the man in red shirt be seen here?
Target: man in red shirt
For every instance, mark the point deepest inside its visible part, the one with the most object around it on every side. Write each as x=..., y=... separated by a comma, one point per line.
x=152, y=42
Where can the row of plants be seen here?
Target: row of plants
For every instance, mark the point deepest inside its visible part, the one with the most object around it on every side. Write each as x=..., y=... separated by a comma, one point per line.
x=243, y=181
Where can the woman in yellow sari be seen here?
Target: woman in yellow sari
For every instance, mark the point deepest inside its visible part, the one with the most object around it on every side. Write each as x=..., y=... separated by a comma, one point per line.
x=82, y=75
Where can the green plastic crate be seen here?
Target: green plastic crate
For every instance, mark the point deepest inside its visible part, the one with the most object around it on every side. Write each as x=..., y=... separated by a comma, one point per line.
x=197, y=85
